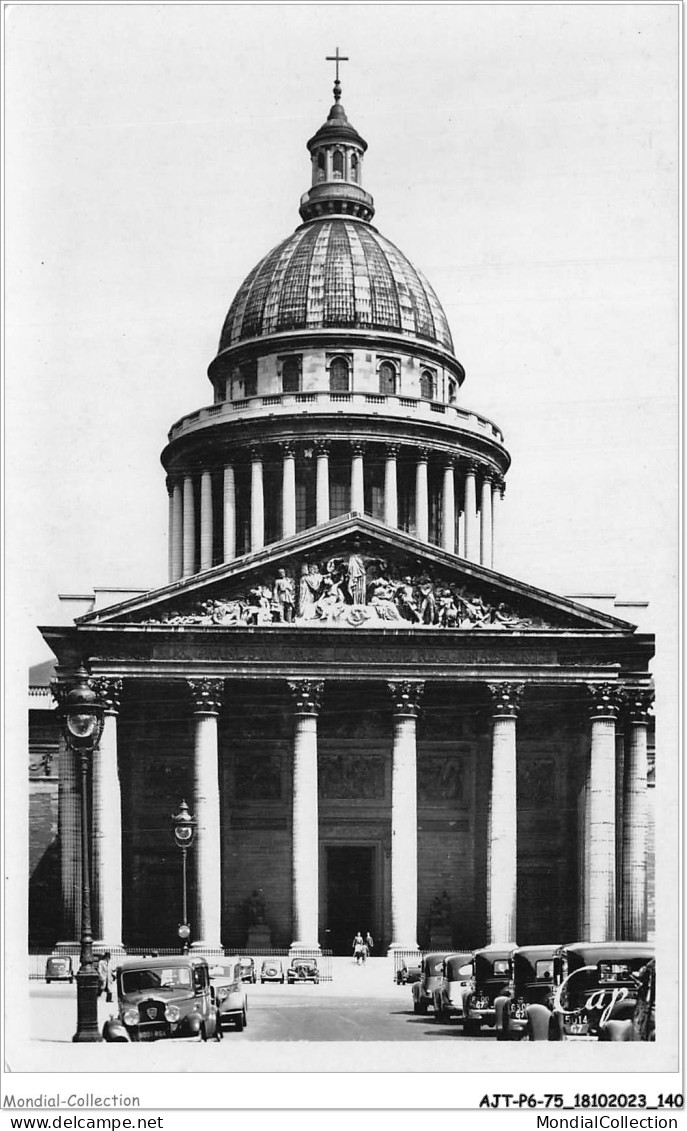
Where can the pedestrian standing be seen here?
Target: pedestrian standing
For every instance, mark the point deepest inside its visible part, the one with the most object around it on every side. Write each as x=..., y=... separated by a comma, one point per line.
x=358, y=945
x=369, y=942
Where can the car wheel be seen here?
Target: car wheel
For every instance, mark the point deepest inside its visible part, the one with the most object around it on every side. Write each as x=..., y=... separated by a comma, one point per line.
x=240, y=1022
x=262, y=981
x=416, y=1006
x=70, y=981
x=47, y=981
x=422, y=1007
x=203, y=1032
x=219, y=1035
x=282, y=981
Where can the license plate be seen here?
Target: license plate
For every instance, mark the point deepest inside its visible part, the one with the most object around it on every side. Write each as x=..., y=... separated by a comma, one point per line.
x=152, y=1033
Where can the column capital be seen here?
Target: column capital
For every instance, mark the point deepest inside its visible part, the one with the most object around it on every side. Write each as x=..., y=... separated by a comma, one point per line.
x=506, y=698
x=406, y=696
x=487, y=473
x=170, y=484
x=637, y=703
x=287, y=448
x=606, y=699
x=499, y=484
x=255, y=452
x=422, y=455
x=359, y=447
x=322, y=447
x=448, y=461
x=470, y=466
x=307, y=695
x=109, y=692
x=59, y=689
x=206, y=694
x=391, y=450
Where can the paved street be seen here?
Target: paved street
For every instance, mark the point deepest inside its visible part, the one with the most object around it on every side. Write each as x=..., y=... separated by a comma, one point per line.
x=359, y=1004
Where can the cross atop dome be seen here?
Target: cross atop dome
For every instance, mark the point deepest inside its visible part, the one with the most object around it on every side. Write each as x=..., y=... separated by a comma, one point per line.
x=337, y=59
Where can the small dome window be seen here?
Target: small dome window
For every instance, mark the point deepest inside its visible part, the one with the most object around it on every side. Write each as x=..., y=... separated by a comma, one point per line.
x=387, y=377
x=428, y=384
x=291, y=375
x=452, y=391
x=354, y=167
x=338, y=165
x=320, y=166
x=339, y=375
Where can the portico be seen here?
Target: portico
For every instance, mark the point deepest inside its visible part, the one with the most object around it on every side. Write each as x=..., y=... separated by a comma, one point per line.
x=404, y=741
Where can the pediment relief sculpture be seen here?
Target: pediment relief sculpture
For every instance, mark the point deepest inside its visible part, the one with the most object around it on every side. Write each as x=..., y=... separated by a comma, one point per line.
x=354, y=590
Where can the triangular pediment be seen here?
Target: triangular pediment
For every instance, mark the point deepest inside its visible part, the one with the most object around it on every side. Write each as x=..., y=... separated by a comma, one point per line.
x=355, y=572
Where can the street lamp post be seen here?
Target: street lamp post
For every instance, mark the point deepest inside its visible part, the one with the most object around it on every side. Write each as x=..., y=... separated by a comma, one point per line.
x=82, y=725
x=184, y=827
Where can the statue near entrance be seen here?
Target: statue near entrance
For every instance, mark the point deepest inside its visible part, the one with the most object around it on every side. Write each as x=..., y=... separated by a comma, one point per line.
x=259, y=933
x=439, y=921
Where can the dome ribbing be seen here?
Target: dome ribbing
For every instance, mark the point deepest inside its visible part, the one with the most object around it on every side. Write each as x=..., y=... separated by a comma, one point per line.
x=330, y=273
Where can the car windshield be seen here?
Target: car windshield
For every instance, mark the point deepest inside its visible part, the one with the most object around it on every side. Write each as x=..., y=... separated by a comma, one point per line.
x=223, y=972
x=158, y=979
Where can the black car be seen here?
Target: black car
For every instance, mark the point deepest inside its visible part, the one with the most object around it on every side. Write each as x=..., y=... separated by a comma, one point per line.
x=594, y=981
x=431, y=973
x=490, y=979
x=531, y=982
x=247, y=971
x=303, y=970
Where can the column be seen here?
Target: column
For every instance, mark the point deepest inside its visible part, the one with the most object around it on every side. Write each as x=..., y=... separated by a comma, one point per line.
x=503, y=827
x=69, y=833
x=471, y=548
x=600, y=888
x=391, y=486
x=206, y=520
x=257, y=502
x=107, y=823
x=189, y=541
x=170, y=528
x=497, y=492
x=421, y=497
x=177, y=532
x=633, y=885
x=205, y=856
x=322, y=487
x=229, y=513
x=358, y=479
x=448, y=503
x=406, y=703
x=288, y=491
x=485, y=551
x=306, y=699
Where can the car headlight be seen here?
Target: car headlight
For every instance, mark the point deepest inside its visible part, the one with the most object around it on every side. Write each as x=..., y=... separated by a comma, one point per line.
x=172, y=1013
x=222, y=993
x=130, y=1017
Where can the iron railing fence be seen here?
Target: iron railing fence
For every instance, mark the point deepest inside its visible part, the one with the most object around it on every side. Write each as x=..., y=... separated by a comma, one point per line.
x=37, y=960
x=407, y=957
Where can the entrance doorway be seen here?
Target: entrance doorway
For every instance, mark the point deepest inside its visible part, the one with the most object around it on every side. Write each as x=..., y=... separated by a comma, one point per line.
x=350, y=895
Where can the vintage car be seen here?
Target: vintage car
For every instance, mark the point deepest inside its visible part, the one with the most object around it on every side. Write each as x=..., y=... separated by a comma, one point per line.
x=639, y=1024
x=408, y=972
x=59, y=968
x=489, y=980
x=166, y=997
x=272, y=970
x=455, y=982
x=431, y=972
x=594, y=981
x=248, y=973
x=303, y=970
x=230, y=996
x=531, y=982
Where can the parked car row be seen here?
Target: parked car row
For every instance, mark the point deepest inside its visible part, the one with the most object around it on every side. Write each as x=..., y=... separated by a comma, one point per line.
x=183, y=997
x=603, y=991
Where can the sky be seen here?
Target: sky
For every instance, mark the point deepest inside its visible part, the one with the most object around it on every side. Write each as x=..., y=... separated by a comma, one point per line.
x=524, y=157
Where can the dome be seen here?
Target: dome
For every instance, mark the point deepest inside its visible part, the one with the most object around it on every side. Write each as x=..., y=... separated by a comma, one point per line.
x=335, y=272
